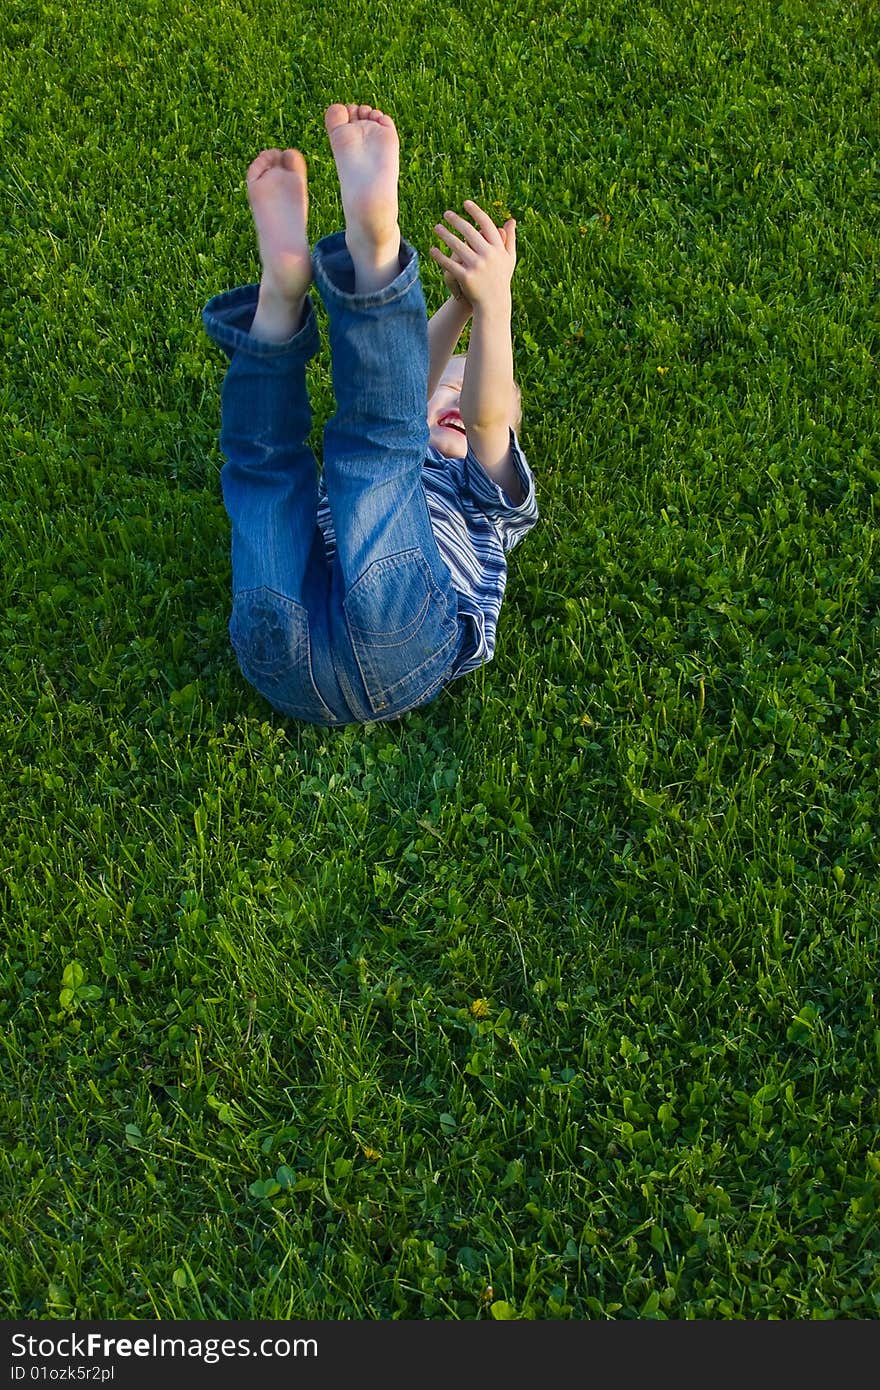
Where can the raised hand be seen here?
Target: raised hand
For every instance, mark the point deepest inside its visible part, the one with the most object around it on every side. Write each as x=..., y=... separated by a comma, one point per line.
x=482, y=257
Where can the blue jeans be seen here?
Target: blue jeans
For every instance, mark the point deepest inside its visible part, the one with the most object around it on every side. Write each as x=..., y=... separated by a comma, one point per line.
x=377, y=632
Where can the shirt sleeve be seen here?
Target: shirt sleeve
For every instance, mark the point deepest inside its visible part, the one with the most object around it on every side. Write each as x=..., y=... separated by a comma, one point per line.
x=511, y=521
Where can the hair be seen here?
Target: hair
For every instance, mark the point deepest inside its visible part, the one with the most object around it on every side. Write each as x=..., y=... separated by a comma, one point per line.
x=517, y=421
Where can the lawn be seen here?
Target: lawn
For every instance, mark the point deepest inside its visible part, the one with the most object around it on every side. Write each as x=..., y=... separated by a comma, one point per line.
x=555, y=999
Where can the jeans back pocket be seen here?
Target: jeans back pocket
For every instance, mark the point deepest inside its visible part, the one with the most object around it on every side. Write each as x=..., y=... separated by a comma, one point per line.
x=270, y=636
x=402, y=631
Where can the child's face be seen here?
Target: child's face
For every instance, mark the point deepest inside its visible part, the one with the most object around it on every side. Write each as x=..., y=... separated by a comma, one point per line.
x=445, y=425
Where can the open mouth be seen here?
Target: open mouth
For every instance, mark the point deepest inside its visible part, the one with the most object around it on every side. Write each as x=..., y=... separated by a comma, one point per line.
x=452, y=422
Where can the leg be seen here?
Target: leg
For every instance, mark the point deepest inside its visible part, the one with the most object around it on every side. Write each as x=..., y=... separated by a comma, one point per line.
x=390, y=581
x=269, y=480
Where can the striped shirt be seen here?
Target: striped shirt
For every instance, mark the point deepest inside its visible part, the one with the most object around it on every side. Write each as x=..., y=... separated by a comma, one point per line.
x=475, y=524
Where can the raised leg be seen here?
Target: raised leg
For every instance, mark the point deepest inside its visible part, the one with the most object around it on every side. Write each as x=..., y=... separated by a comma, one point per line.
x=269, y=479
x=392, y=583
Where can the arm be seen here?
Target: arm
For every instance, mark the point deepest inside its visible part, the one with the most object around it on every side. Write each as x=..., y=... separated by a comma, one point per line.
x=483, y=263
x=444, y=330
x=487, y=396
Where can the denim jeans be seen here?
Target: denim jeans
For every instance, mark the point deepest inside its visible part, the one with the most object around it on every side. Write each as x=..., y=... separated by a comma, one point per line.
x=377, y=632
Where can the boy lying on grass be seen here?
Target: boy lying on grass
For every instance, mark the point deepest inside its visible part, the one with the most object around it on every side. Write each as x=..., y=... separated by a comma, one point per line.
x=362, y=600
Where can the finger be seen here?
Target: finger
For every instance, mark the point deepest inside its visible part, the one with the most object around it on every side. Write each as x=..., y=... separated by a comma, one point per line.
x=472, y=235
x=449, y=268
x=483, y=221
x=461, y=248
x=510, y=236
x=444, y=261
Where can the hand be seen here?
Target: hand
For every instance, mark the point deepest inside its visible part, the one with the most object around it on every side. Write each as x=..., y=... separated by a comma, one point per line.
x=454, y=286
x=482, y=258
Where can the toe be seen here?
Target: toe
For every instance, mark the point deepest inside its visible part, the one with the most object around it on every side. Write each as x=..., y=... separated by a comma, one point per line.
x=294, y=161
x=264, y=160
x=336, y=115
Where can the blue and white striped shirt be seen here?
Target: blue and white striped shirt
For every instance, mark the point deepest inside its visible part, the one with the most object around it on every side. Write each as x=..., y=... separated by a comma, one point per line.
x=475, y=524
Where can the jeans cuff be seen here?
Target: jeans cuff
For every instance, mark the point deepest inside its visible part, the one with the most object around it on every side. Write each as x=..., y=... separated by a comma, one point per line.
x=333, y=269
x=227, y=319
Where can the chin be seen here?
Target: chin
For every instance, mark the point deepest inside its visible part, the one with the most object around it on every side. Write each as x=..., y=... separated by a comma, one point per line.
x=449, y=442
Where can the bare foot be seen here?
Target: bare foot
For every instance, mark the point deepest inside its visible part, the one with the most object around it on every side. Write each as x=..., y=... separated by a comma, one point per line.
x=367, y=153
x=278, y=194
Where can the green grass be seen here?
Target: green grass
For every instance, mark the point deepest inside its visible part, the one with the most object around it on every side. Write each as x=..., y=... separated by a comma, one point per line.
x=557, y=996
